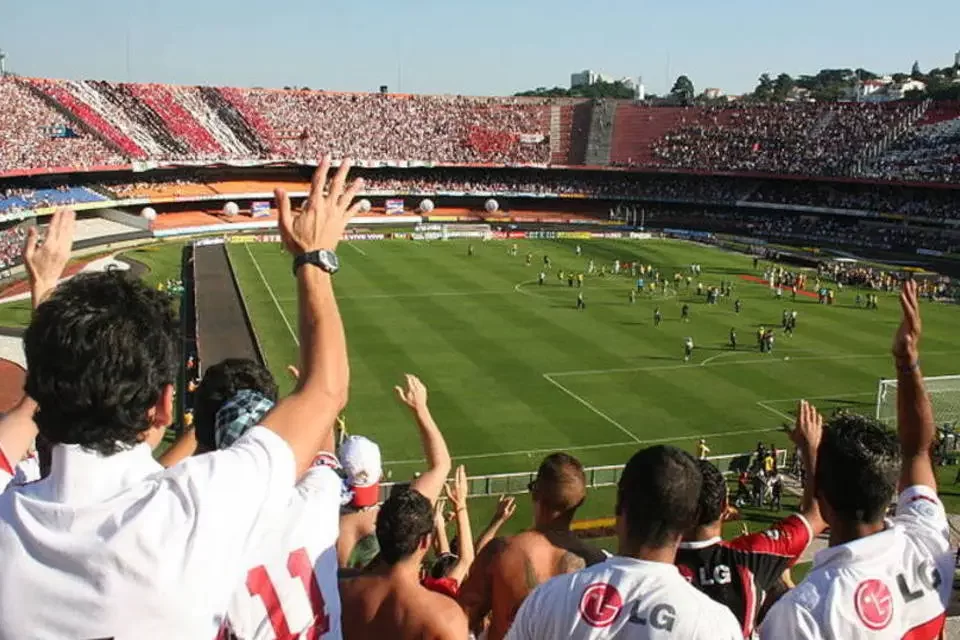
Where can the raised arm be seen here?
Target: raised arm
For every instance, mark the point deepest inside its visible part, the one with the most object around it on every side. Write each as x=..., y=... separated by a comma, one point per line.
x=458, y=498
x=44, y=263
x=915, y=425
x=305, y=418
x=506, y=507
x=431, y=482
x=806, y=434
x=441, y=544
x=184, y=447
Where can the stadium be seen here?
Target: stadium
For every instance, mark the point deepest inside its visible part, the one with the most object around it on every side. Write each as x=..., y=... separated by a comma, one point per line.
x=539, y=263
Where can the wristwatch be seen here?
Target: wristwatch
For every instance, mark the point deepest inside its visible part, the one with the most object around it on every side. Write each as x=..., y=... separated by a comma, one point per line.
x=323, y=258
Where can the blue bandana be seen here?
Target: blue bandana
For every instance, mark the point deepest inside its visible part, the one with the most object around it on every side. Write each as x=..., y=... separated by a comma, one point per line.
x=244, y=410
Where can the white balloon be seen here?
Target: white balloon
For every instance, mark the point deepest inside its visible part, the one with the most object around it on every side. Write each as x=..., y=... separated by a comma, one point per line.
x=231, y=209
x=426, y=205
x=149, y=213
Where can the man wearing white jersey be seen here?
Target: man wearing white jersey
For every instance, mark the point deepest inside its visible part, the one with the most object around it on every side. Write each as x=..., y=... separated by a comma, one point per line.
x=879, y=579
x=638, y=593
x=291, y=587
x=110, y=544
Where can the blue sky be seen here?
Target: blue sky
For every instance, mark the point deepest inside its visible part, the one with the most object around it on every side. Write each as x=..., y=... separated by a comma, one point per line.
x=485, y=47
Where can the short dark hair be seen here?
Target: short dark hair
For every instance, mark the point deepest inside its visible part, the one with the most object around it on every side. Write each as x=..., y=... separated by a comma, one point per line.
x=99, y=352
x=858, y=466
x=403, y=521
x=713, y=493
x=443, y=565
x=658, y=495
x=561, y=484
x=220, y=383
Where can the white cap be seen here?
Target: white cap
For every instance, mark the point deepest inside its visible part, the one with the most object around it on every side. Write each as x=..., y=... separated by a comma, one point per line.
x=360, y=458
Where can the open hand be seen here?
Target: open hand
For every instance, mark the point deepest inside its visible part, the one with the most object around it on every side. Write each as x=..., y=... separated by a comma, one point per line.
x=906, y=342
x=506, y=507
x=808, y=429
x=45, y=263
x=320, y=224
x=414, y=395
x=457, y=490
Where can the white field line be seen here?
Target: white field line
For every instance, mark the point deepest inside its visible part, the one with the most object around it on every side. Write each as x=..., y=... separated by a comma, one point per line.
x=266, y=283
x=776, y=411
x=591, y=407
x=356, y=248
x=829, y=397
x=439, y=294
x=719, y=355
x=773, y=359
x=588, y=447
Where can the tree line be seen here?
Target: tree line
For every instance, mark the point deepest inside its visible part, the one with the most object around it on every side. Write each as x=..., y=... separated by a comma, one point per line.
x=825, y=85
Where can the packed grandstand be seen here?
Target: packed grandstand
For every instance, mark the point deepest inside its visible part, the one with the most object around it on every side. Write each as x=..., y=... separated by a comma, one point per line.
x=825, y=188
x=883, y=175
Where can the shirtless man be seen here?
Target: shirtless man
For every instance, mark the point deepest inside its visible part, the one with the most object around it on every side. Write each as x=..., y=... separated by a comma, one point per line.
x=508, y=569
x=357, y=544
x=387, y=600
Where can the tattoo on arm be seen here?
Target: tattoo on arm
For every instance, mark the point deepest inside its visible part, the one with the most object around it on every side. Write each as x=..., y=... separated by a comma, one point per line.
x=570, y=562
x=529, y=574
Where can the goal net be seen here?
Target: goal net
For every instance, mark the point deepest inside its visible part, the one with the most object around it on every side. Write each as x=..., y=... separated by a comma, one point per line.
x=944, y=392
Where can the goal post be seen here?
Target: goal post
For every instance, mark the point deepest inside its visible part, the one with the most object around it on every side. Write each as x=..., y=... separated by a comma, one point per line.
x=944, y=392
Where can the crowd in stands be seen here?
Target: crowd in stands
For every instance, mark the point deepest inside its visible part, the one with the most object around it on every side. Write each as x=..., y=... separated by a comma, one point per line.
x=936, y=204
x=815, y=230
x=929, y=153
x=450, y=129
x=27, y=140
x=265, y=520
x=11, y=245
x=120, y=121
x=17, y=199
x=939, y=204
x=789, y=138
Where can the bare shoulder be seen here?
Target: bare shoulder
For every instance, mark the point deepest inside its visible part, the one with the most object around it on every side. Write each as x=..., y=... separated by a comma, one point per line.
x=448, y=619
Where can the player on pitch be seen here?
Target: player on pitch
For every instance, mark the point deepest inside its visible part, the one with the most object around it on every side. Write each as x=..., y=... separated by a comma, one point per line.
x=878, y=579
x=508, y=569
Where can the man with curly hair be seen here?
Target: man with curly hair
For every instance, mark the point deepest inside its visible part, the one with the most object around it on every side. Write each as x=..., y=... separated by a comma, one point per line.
x=110, y=544
x=879, y=578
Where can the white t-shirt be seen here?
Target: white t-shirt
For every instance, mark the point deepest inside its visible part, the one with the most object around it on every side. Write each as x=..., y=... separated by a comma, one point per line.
x=118, y=547
x=893, y=584
x=292, y=589
x=7, y=471
x=27, y=470
x=622, y=598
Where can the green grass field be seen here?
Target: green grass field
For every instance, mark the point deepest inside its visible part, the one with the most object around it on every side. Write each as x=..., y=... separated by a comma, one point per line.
x=514, y=371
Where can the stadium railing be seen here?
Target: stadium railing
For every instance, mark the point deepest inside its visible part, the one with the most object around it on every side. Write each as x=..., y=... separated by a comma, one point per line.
x=603, y=476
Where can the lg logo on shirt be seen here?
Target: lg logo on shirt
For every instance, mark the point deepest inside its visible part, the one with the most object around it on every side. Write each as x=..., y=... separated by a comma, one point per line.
x=707, y=577
x=873, y=600
x=601, y=604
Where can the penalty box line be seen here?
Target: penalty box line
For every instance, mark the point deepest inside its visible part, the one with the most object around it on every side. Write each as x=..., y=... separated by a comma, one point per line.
x=772, y=359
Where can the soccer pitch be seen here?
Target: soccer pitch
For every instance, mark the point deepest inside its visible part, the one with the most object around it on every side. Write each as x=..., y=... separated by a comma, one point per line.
x=514, y=371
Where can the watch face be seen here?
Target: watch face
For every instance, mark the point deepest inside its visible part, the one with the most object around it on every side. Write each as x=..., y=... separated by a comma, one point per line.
x=329, y=260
